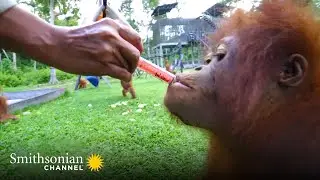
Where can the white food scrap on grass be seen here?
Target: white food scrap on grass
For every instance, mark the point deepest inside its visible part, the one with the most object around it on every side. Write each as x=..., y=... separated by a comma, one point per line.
x=89, y=105
x=139, y=110
x=125, y=113
x=26, y=113
x=113, y=106
x=141, y=106
x=125, y=103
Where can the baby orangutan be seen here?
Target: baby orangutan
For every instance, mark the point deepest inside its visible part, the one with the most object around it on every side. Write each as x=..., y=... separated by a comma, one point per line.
x=127, y=86
x=259, y=96
x=82, y=84
x=4, y=114
x=168, y=68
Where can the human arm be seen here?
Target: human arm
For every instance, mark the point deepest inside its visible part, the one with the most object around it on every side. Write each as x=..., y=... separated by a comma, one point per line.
x=105, y=47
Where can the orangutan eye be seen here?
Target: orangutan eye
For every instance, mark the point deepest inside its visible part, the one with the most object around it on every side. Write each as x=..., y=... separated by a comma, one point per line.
x=207, y=58
x=220, y=56
x=221, y=52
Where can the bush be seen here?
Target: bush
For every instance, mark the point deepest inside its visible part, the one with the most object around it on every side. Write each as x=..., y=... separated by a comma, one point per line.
x=10, y=78
x=6, y=66
x=64, y=76
x=43, y=76
x=37, y=77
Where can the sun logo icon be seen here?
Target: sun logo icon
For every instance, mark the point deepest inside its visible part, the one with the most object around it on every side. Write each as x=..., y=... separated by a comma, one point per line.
x=95, y=162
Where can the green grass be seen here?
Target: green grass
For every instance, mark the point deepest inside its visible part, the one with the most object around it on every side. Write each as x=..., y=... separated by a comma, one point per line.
x=145, y=145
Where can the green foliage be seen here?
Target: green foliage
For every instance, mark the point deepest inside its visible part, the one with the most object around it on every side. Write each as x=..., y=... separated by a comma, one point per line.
x=149, y=5
x=134, y=24
x=42, y=76
x=126, y=8
x=6, y=65
x=38, y=77
x=24, y=63
x=316, y=6
x=42, y=8
x=316, y=3
x=66, y=22
x=127, y=11
x=10, y=78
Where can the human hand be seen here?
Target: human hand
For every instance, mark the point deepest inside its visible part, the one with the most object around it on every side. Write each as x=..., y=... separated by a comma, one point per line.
x=106, y=47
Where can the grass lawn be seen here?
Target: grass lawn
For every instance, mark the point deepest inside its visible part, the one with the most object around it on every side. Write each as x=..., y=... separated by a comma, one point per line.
x=134, y=145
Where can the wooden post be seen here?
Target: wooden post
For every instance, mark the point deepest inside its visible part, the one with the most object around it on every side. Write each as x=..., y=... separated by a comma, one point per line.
x=161, y=56
x=77, y=83
x=14, y=61
x=53, y=75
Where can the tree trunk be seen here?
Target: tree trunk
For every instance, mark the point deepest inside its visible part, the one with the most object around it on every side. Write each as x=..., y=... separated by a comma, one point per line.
x=4, y=52
x=53, y=75
x=14, y=61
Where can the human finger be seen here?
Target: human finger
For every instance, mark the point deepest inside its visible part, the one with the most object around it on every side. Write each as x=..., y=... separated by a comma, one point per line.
x=125, y=31
x=130, y=35
x=120, y=59
x=118, y=72
x=129, y=53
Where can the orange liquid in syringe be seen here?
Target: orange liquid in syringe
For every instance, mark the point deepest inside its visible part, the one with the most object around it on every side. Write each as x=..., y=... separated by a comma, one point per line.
x=155, y=70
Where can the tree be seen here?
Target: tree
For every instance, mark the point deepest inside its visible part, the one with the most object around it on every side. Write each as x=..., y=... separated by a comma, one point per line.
x=50, y=10
x=127, y=10
x=149, y=5
x=317, y=3
x=68, y=9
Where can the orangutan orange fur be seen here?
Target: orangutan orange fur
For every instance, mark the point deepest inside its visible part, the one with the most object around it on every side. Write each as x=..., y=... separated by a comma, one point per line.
x=82, y=84
x=128, y=87
x=259, y=96
x=168, y=67
x=4, y=113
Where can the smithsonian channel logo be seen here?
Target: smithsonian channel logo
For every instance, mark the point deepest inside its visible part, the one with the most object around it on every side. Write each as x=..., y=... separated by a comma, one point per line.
x=60, y=163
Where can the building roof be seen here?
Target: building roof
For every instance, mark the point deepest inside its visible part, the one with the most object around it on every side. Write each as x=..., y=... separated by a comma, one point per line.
x=216, y=10
x=163, y=9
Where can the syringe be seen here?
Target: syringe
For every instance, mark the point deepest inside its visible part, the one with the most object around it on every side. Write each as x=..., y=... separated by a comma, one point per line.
x=155, y=70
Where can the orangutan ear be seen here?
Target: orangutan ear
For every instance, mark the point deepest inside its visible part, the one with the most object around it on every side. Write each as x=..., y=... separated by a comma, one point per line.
x=294, y=71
